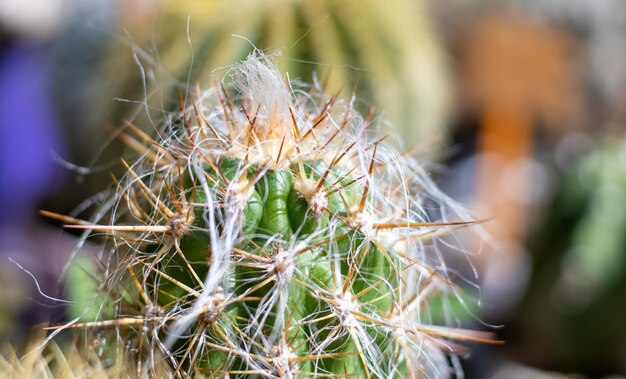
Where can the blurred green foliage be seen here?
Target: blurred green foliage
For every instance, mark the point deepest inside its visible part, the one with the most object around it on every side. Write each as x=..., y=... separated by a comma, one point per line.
x=575, y=305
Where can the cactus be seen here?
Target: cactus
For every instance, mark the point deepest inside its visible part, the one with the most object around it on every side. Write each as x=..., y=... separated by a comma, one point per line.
x=270, y=232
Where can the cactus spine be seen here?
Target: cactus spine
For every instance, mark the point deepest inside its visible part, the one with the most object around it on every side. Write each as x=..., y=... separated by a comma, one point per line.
x=269, y=232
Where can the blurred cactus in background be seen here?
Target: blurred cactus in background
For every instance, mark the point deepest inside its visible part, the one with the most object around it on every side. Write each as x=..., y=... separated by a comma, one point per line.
x=387, y=50
x=570, y=318
x=268, y=230
x=576, y=293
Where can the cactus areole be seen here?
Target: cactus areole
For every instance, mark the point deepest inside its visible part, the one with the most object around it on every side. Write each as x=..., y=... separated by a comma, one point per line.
x=268, y=231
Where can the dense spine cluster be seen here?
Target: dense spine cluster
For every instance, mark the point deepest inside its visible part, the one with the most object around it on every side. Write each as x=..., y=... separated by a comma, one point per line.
x=267, y=231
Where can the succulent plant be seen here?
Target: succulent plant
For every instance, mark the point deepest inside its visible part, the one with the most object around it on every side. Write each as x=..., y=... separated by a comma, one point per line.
x=269, y=231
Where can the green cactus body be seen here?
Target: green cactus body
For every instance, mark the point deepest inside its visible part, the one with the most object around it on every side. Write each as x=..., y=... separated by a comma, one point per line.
x=285, y=242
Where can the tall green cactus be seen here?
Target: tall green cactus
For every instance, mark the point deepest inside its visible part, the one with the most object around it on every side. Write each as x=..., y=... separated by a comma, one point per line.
x=269, y=232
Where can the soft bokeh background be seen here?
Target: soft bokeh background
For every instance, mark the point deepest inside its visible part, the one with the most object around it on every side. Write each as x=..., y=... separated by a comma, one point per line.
x=521, y=105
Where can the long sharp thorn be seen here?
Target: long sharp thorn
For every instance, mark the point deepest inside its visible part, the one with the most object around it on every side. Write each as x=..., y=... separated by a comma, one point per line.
x=123, y=228
x=197, y=114
x=223, y=105
x=194, y=340
x=138, y=286
x=141, y=134
x=252, y=181
x=149, y=193
x=172, y=280
x=345, y=203
x=384, y=252
x=345, y=151
x=106, y=323
x=135, y=209
x=315, y=125
x=215, y=183
x=458, y=334
x=295, y=131
x=360, y=351
x=255, y=257
x=174, y=198
x=295, y=128
x=60, y=217
x=251, y=122
x=340, y=187
x=322, y=115
x=216, y=169
x=133, y=143
x=214, y=132
x=280, y=150
x=252, y=135
x=413, y=224
x=367, y=184
x=187, y=264
x=333, y=162
x=322, y=180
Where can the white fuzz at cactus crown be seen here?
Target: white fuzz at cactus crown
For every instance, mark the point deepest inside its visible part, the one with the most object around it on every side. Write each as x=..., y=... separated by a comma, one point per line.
x=340, y=289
